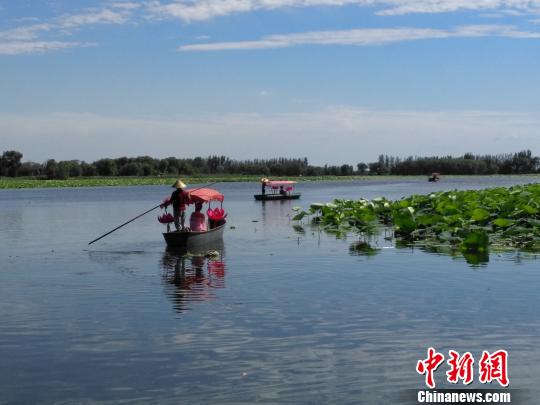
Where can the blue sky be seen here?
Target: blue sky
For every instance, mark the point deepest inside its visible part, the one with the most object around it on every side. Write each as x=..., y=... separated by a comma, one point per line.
x=338, y=81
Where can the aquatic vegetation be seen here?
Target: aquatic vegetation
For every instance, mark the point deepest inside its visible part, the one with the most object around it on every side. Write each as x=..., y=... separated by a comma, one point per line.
x=27, y=182
x=469, y=221
x=362, y=248
x=11, y=183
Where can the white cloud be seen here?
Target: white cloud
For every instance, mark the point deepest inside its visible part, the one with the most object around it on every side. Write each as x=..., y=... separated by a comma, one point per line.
x=127, y=5
x=198, y=10
x=122, y=12
x=189, y=10
x=362, y=37
x=93, y=17
x=400, y=7
x=507, y=31
x=357, y=134
x=33, y=47
x=26, y=33
x=31, y=38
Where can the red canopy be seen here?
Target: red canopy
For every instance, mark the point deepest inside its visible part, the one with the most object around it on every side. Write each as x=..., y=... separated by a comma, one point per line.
x=280, y=182
x=205, y=195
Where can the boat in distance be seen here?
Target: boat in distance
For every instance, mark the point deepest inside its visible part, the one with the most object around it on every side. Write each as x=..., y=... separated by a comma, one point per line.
x=272, y=197
x=279, y=190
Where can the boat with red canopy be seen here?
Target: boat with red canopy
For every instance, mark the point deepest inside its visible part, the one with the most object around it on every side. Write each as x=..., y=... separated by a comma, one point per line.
x=215, y=221
x=278, y=190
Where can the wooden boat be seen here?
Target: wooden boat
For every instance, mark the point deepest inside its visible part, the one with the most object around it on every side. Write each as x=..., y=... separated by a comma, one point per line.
x=279, y=190
x=192, y=239
x=434, y=177
x=215, y=224
x=272, y=197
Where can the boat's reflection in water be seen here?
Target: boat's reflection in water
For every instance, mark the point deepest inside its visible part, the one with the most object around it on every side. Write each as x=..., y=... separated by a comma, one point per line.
x=274, y=213
x=193, y=275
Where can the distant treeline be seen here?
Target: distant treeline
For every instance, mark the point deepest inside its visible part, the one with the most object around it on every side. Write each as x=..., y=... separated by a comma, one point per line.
x=511, y=163
x=515, y=163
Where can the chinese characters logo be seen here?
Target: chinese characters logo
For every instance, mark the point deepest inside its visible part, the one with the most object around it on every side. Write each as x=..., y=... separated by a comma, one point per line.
x=491, y=367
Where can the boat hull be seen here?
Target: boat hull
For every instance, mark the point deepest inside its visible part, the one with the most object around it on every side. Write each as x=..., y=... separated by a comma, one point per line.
x=275, y=197
x=194, y=239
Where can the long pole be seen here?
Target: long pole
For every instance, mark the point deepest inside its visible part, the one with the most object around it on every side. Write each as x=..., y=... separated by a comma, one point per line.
x=144, y=213
x=125, y=223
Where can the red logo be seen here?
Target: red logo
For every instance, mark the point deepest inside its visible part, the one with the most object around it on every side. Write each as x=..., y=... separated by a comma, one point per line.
x=461, y=368
x=429, y=366
x=492, y=367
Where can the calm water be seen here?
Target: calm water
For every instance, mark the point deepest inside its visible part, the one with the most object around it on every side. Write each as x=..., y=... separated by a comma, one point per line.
x=279, y=316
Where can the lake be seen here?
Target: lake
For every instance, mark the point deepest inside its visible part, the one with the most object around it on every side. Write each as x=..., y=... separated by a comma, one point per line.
x=279, y=315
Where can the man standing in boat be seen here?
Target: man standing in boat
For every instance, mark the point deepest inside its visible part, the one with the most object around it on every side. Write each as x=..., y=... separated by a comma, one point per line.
x=179, y=200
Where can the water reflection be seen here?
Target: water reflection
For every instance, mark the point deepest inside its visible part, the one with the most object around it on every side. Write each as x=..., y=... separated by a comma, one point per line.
x=123, y=261
x=372, y=244
x=273, y=210
x=474, y=259
x=191, y=276
x=299, y=229
x=363, y=248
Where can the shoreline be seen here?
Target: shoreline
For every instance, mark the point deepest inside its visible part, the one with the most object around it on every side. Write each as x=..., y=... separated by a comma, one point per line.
x=10, y=183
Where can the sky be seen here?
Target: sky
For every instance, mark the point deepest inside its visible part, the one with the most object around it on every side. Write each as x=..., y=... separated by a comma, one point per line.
x=336, y=81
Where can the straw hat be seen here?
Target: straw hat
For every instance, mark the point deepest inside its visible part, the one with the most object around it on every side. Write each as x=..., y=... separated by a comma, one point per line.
x=179, y=184
x=264, y=180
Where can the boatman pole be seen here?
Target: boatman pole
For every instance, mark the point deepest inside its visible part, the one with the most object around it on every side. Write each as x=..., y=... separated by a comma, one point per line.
x=144, y=213
x=125, y=223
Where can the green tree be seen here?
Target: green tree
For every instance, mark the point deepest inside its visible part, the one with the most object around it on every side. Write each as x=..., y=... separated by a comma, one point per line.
x=361, y=168
x=51, y=168
x=106, y=167
x=130, y=169
x=346, y=170
x=30, y=169
x=88, y=169
x=10, y=162
x=62, y=170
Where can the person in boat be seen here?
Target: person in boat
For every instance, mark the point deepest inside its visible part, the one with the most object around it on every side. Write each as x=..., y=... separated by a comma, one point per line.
x=197, y=221
x=263, y=186
x=282, y=190
x=179, y=200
